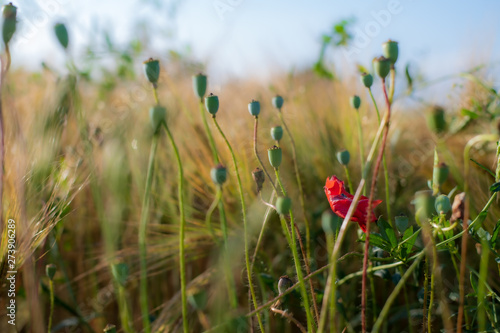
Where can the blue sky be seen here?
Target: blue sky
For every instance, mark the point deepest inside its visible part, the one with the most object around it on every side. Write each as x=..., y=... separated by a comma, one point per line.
x=257, y=38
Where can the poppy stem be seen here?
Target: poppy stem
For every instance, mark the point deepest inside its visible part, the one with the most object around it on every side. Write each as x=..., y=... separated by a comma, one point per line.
x=298, y=268
x=209, y=133
x=211, y=209
x=245, y=223
x=370, y=202
x=361, y=145
x=182, y=227
x=348, y=178
x=299, y=184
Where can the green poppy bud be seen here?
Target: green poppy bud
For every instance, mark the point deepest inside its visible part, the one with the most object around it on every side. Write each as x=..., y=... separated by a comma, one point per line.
x=278, y=102
x=50, y=271
x=62, y=34
x=212, y=104
x=219, y=174
x=390, y=50
x=402, y=223
x=382, y=66
x=277, y=133
x=152, y=70
x=110, y=328
x=436, y=120
x=367, y=80
x=343, y=157
x=9, y=13
x=330, y=222
x=254, y=108
x=200, y=85
x=440, y=174
x=284, y=283
x=355, y=102
x=198, y=300
x=157, y=116
x=259, y=177
x=443, y=204
x=283, y=205
x=121, y=273
x=275, y=155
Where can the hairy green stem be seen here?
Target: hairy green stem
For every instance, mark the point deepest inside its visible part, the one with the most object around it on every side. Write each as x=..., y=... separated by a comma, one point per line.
x=433, y=274
x=255, y=128
x=245, y=223
x=348, y=176
x=142, y=236
x=361, y=145
x=481, y=295
x=299, y=184
x=211, y=209
x=182, y=228
x=261, y=233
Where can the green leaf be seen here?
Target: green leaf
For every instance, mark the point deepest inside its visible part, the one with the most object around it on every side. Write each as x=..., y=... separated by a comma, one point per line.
x=377, y=240
x=409, y=238
x=409, y=79
x=495, y=187
x=494, y=236
x=473, y=282
x=469, y=113
x=483, y=167
x=387, y=232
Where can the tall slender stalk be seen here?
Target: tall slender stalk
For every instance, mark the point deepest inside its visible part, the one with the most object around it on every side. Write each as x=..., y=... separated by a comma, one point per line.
x=245, y=223
x=255, y=128
x=361, y=144
x=299, y=184
x=51, y=291
x=142, y=235
x=481, y=295
x=180, y=194
x=296, y=259
x=369, y=211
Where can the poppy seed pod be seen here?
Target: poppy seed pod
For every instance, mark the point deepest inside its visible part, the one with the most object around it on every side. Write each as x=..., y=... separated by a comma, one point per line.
x=330, y=222
x=212, y=103
x=443, y=204
x=391, y=50
x=424, y=204
x=152, y=70
x=284, y=283
x=50, y=271
x=62, y=34
x=277, y=133
x=382, y=66
x=9, y=14
x=283, y=205
x=259, y=177
x=402, y=223
x=367, y=80
x=436, y=120
x=110, y=328
x=219, y=174
x=157, y=116
x=254, y=108
x=440, y=174
x=200, y=85
x=275, y=155
x=355, y=102
x=278, y=102
x=343, y=157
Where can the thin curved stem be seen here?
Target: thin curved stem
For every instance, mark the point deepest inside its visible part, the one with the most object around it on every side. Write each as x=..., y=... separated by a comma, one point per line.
x=261, y=234
x=142, y=236
x=393, y=83
x=245, y=223
x=211, y=209
x=348, y=176
x=299, y=184
x=361, y=144
x=209, y=133
x=289, y=317
x=182, y=228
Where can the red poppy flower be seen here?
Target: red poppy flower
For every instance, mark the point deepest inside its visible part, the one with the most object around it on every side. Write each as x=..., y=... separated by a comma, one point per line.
x=340, y=201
